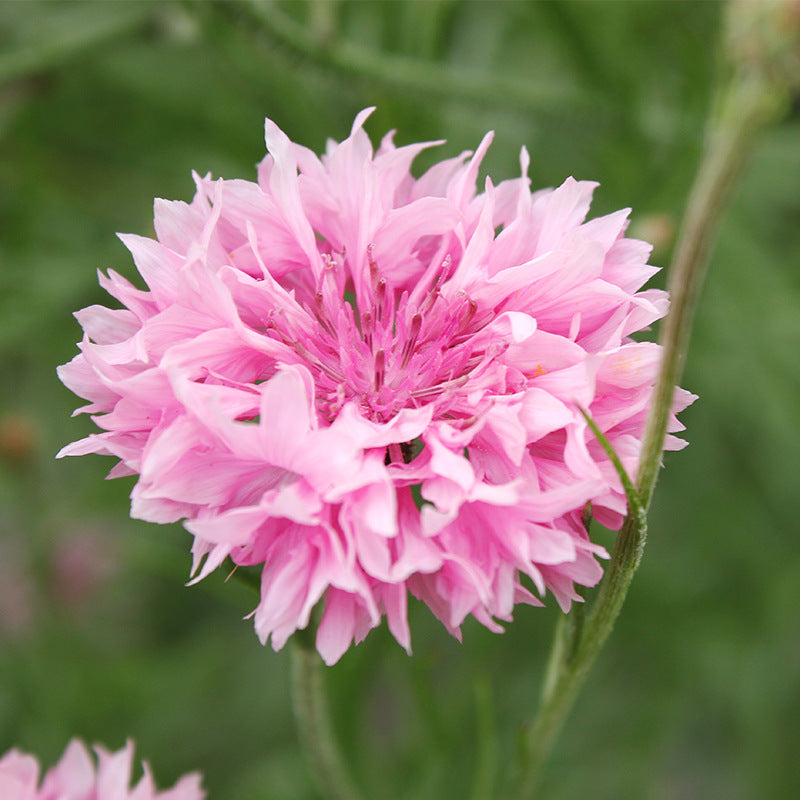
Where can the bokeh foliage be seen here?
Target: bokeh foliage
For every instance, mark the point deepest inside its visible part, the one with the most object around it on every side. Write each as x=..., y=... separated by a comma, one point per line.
x=104, y=106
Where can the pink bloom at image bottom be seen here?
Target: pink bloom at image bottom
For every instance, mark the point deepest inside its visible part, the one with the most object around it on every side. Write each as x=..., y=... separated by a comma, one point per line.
x=370, y=384
x=75, y=778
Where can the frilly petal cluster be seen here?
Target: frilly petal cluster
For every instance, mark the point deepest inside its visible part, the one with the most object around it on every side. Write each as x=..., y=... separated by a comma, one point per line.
x=75, y=777
x=370, y=384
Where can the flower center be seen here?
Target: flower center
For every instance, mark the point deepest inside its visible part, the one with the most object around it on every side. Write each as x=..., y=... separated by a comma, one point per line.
x=387, y=350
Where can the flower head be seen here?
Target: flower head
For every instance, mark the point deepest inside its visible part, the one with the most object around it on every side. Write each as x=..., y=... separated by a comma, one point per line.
x=370, y=383
x=75, y=778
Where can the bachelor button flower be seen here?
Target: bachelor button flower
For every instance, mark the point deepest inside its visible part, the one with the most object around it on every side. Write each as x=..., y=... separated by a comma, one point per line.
x=370, y=384
x=75, y=778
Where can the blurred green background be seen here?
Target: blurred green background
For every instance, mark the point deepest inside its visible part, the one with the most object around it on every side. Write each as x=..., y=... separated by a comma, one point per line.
x=104, y=106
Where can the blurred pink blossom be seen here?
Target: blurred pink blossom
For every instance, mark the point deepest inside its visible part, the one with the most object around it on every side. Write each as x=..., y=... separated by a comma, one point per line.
x=83, y=560
x=370, y=384
x=75, y=778
x=17, y=589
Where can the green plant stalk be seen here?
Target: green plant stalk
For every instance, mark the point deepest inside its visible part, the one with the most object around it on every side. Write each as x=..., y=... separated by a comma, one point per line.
x=742, y=111
x=745, y=104
x=313, y=720
x=486, y=744
x=310, y=707
x=574, y=651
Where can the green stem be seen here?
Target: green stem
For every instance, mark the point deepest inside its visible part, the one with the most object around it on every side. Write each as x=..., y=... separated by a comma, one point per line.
x=571, y=660
x=743, y=110
x=313, y=721
x=486, y=753
x=314, y=728
x=744, y=104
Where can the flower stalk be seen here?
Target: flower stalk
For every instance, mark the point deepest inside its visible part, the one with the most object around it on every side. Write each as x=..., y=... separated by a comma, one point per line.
x=310, y=708
x=577, y=644
x=313, y=721
x=761, y=68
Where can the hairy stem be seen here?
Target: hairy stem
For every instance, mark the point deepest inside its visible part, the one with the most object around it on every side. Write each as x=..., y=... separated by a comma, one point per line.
x=744, y=109
x=313, y=721
x=751, y=96
x=575, y=649
x=310, y=706
x=486, y=752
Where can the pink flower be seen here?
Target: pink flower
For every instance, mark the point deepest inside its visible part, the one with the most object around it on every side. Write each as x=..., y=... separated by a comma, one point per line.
x=371, y=383
x=75, y=778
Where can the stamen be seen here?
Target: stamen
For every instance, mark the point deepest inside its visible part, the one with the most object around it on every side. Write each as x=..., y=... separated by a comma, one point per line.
x=472, y=307
x=328, y=265
x=429, y=302
x=416, y=325
x=429, y=391
x=322, y=314
x=373, y=266
x=380, y=297
x=366, y=328
x=413, y=332
x=380, y=366
x=430, y=279
x=444, y=270
x=394, y=454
